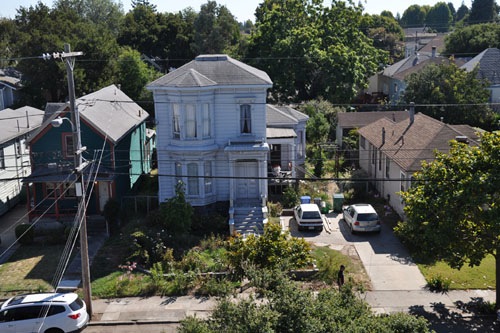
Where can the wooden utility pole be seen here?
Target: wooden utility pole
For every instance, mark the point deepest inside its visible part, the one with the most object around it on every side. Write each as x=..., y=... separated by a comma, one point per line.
x=69, y=60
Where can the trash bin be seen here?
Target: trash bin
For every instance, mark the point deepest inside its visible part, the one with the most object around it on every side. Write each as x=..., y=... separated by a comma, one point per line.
x=317, y=201
x=305, y=199
x=338, y=201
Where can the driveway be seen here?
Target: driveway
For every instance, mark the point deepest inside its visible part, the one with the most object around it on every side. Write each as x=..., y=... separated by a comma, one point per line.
x=385, y=259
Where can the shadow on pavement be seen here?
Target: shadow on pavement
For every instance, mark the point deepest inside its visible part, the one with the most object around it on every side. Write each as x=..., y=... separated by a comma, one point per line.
x=467, y=317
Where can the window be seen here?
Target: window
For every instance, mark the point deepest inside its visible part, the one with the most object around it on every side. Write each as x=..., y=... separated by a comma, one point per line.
x=176, y=121
x=52, y=190
x=207, y=124
x=374, y=154
x=208, y=177
x=387, y=167
x=403, y=182
x=362, y=142
x=70, y=190
x=245, y=119
x=2, y=159
x=178, y=172
x=190, y=121
x=192, y=181
x=68, y=150
x=379, y=160
x=300, y=145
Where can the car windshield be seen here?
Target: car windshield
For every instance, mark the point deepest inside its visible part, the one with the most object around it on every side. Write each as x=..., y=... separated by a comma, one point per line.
x=368, y=217
x=311, y=215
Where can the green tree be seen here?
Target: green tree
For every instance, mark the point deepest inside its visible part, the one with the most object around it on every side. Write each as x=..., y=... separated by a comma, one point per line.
x=452, y=9
x=483, y=11
x=216, y=29
x=472, y=40
x=446, y=88
x=312, y=51
x=462, y=12
x=452, y=207
x=134, y=74
x=176, y=213
x=413, y=16
x=439, y=17
x=319, y=132
x=386, y=34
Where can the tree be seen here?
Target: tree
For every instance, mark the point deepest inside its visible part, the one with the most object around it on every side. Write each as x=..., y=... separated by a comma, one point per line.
x=439, y=17
x=216, y=29
x=133, y=74
x=413, y=16
x=176, y=212
x=472, y=40
x=452, y=207
x=483, y=11
x=462, y=12
x=445, y=88
x=386, y=34
x=311, y=51
x=453, y=12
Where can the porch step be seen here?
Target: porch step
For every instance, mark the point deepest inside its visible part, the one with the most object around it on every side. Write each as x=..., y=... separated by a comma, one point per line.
x=249, y=220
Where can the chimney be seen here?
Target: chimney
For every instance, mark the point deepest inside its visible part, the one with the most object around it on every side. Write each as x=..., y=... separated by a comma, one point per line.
x=412, y=112
x=433, y=51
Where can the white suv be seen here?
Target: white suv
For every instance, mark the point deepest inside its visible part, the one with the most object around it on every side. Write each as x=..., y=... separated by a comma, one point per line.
x=44, y=313
x=362, y=217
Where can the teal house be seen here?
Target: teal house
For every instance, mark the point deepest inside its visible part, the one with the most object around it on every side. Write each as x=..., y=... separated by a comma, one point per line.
x=117, y=151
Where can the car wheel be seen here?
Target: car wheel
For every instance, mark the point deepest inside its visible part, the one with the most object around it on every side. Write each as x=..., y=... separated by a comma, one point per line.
x=54, y=330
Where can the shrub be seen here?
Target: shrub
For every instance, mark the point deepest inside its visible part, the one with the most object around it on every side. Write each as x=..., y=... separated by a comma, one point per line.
x=274, y=208
x=25, y=233
x=438, y=284
x=290, y=197
x=112, y=214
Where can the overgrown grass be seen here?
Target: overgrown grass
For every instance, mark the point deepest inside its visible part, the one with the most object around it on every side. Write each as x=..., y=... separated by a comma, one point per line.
x=30, y=269
x=479, y=277
x=328, y=262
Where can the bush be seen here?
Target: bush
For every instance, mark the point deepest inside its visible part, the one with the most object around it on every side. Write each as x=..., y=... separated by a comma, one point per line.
x=290, y=197
x=112, y=214
x=25, y=233
x=274, y=208
x=438, y=284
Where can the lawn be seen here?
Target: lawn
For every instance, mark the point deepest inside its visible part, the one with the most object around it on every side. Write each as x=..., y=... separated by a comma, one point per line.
x=479, y=277
x=31, y=268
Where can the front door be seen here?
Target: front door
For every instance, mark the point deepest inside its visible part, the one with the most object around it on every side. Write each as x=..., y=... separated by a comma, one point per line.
x=247, y=182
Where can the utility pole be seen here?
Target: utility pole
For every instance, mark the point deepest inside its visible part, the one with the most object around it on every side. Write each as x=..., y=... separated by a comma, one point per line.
x=69, y=60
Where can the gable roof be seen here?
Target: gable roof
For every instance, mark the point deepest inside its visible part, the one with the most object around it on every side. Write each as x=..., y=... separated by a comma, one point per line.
x=360, y=119
x=412, y=64
x=408, y=144
x=488, y=62
x=283, y=116
x=14, y=123
x=210, y=70
x=109, y=111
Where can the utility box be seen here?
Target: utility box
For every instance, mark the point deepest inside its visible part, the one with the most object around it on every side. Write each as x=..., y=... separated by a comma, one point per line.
x=338, y=202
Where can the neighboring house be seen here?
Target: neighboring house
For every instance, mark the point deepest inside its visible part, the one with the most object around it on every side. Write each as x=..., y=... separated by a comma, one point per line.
x=347, y=121
x=390, y=152
x=113, y=130
x=211, y=128
x=16, y=126
x=10, y=84
x=488, y=64
x=286, y=136
x=391, y=82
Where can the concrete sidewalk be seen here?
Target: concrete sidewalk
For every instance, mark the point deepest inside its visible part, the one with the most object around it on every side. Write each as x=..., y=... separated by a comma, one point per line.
x=450, y=312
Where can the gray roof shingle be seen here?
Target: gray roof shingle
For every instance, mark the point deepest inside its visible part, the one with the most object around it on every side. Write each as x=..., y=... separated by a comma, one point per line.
x=14, y=123
x=215, y=69
x=489, y=65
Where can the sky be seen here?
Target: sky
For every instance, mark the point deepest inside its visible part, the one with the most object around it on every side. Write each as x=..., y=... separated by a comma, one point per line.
x=242, y=9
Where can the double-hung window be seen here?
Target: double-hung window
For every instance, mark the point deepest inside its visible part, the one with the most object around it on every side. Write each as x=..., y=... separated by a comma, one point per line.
x=176, y=120
x=191, y=121
x=208, y=177
x=68, y=150
x=207, y=124
x=245, y=119
x=192, y=181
